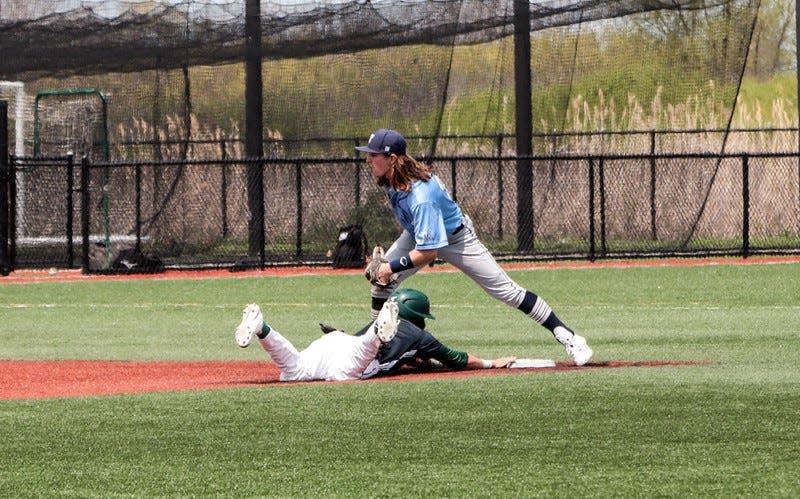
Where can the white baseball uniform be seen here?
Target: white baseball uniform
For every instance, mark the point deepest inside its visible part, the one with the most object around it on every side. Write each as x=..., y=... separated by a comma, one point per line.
x=336, y=356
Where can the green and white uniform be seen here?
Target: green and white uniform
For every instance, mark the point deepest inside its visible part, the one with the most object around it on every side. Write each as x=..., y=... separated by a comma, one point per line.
x=410, y=344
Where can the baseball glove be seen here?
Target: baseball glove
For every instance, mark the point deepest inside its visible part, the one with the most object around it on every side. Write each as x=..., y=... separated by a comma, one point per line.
x=371, y=272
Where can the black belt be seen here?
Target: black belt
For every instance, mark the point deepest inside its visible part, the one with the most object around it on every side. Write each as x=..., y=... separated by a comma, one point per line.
x=460, y=227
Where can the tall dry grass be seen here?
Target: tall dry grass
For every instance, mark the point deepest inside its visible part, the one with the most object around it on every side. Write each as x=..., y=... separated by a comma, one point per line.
x=693, y=198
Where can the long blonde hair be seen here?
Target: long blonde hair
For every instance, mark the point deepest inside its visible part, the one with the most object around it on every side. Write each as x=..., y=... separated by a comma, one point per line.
x=405, y=170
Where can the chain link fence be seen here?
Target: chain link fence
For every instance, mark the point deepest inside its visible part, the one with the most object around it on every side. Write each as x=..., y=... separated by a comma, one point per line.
x=194, y=213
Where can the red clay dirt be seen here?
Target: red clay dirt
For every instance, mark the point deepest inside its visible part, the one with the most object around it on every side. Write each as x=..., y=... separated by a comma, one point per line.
x=57, y=275
x=36, y=379
x=41, y=379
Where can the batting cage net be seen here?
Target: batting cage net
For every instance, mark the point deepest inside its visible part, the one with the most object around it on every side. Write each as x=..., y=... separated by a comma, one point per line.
x=642, y=116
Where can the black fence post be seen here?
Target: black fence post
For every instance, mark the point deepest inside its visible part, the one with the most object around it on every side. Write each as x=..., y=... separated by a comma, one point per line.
x=602, y=180
x=453, y=179
x=298, y=182
x=85, y=214
x=137, y=172
x=500, y=187
x=70, y=213
x=12, y=212
x=653, y=231
x=745, y=206
x=357, y=173
x=523, y=125
x=5, y=177
x=224, y=189
x=254, y=123
x=592, y=244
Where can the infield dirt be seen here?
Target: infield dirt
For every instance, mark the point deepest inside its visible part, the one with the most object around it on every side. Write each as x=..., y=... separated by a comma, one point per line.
x=36, y=379
x=40, y=379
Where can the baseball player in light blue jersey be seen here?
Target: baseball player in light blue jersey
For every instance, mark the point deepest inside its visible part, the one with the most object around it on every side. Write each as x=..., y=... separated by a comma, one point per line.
x=435, y=226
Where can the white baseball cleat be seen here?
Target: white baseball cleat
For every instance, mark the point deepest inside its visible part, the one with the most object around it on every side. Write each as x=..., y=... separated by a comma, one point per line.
x=387, y=321
x=252, y=322
x=578, y=349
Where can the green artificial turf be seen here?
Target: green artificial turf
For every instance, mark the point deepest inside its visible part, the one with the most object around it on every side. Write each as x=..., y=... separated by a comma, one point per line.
x=726, y=426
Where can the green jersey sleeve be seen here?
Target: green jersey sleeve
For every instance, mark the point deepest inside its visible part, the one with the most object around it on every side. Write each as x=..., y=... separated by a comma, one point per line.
x=453, y=359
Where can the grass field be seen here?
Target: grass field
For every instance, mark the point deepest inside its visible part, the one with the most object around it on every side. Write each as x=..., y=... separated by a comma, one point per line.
x=725, y=428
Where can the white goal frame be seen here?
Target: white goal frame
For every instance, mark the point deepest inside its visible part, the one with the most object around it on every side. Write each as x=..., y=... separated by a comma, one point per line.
x=20, y=122
x=19, y=114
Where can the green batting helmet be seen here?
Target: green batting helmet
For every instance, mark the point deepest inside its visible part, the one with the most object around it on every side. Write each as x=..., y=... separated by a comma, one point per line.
x=413, y=305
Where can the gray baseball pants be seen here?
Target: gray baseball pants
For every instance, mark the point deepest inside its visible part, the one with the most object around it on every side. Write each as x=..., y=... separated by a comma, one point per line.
x=465, y=252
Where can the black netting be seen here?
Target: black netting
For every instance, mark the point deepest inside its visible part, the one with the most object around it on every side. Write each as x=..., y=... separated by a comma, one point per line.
x=163, y=83
x=61, y=37
x=174, y=71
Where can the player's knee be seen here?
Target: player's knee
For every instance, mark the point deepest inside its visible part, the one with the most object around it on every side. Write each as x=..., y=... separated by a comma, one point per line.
x=515, y=298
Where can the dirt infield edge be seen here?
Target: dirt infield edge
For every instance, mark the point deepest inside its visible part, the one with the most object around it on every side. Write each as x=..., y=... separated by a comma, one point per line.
x=61, y=275
x=43, y=379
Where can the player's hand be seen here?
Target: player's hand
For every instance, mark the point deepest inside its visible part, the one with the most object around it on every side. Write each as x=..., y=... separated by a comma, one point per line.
x=377, y=267
x=502, y=362
x=385, y=274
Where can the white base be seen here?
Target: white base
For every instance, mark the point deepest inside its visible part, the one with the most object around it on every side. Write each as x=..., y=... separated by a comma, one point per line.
x=531, y=363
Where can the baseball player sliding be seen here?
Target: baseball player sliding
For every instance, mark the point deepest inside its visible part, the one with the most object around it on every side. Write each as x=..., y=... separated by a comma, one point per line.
x=394, y=339
x=435, y=226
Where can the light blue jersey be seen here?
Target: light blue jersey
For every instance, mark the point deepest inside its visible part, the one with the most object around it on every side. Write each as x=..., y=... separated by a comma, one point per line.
x=428, y=212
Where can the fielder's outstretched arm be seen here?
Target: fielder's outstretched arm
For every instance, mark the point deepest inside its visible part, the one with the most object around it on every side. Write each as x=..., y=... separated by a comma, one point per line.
x=414, y=258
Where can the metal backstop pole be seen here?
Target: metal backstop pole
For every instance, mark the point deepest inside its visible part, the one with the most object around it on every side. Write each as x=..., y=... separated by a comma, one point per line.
x=255, y=127
x=5, y=181
x=524, y=124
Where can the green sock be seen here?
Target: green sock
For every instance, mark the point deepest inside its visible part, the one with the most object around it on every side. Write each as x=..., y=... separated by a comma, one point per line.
x=265, y=329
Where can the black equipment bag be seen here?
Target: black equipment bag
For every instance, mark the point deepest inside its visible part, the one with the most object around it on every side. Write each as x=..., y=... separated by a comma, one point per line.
x=135, y=262
x=351, y=249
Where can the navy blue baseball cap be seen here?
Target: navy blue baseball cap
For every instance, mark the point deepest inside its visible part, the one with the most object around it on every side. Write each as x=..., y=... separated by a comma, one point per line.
x=385, y=141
